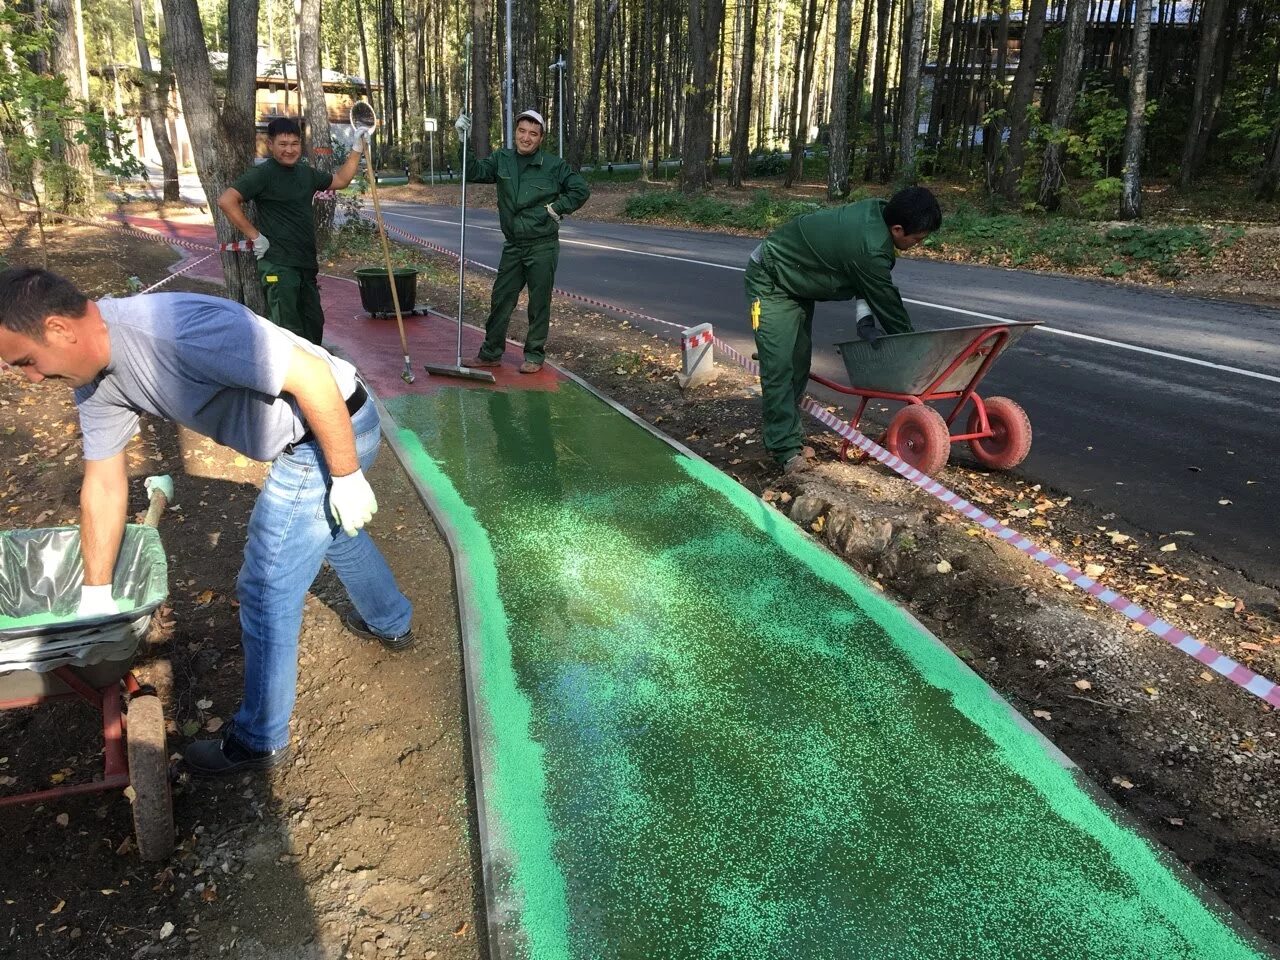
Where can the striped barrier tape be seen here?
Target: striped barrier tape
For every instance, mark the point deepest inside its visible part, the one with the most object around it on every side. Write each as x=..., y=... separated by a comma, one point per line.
x=177, y=273
x=697, y=340
x=1234, y=671
x=237, y=246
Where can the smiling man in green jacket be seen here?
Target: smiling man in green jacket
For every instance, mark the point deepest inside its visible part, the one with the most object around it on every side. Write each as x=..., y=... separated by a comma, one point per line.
x=836, y=254
x=535, y=190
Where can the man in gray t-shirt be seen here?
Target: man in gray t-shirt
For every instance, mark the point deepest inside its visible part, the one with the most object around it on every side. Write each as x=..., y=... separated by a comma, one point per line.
x=214, y=366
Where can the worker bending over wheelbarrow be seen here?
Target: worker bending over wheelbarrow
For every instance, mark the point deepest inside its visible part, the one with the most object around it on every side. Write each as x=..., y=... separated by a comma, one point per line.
x=835, y=254
x=215, y=367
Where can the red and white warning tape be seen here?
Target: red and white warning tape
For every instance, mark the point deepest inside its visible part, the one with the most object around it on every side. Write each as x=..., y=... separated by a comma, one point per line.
x=237, y=246
x=177, y=273
x=697, y=340
x=1215, y=660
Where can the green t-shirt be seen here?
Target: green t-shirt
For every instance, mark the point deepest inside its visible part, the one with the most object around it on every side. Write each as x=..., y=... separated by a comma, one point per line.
x=285, y=212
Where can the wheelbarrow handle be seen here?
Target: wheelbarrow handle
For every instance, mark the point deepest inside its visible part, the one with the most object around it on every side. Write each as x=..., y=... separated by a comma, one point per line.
x=160, y=490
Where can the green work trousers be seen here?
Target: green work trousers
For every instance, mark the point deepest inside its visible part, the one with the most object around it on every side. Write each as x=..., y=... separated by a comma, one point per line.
x=522, y=264
x=293, y=299
x=783, y=328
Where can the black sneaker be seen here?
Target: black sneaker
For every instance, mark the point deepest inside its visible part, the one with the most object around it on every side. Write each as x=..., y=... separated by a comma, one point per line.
x=227, y=755
x=357, y=626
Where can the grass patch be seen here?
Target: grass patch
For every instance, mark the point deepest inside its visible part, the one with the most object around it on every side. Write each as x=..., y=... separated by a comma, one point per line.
x=1020, y=240
x=762, y=212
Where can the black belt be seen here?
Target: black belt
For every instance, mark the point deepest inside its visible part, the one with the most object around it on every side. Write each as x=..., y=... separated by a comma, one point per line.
x=354, y=404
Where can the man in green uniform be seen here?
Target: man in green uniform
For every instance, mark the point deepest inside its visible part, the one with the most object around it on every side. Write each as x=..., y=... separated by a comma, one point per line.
x=835, y=254
x=284, y=241
x=535, y=190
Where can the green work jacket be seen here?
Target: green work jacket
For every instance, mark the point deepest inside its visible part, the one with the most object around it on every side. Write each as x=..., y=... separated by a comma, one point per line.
x=839, y=254
x=523, y=196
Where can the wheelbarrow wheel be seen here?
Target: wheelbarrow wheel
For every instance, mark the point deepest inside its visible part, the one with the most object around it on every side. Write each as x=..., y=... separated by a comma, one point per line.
x=918, y=435
x=149, y=778
x=1010, y=439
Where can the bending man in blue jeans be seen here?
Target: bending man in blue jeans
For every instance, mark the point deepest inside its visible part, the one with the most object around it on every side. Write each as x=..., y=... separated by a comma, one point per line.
x=215, y=367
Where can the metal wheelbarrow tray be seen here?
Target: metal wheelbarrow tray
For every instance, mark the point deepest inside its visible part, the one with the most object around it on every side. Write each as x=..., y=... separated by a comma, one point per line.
x=930, y=365
x=48, y=653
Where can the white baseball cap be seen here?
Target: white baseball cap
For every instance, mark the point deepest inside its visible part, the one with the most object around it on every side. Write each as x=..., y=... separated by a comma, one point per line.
x=533, y=115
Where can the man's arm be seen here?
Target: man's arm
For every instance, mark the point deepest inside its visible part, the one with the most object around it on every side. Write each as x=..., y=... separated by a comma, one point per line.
x=104, y=497
x=574, y=191
x=883, y=298
x=230, y=203
x=309, y=380
x=347, y=172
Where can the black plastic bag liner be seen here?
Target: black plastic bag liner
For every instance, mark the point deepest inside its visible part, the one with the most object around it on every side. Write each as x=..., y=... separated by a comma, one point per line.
x=41, y=573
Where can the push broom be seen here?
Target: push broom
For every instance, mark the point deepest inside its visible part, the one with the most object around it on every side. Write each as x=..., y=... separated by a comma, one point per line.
x=457, y=369
x=364, y=119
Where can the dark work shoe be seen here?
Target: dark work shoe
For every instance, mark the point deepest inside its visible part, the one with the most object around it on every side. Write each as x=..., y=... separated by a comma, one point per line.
x=531, y=366
x=227, y=755
x=479, y=361
x=357, y=626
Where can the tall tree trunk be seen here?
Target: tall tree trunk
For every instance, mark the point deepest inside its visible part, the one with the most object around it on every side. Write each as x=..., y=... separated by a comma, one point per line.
x=644, y=84
x=1049, y=194
x=1197, y=127
x=806, y=60
x=913, y=53
x=838, y=155
x=740, y=147
x=590, y=112
x=479, y=80
x=705, y=20
x=1265, y=187
x=315, y=110
x=941, y=72
x=75, y=175
x=1136, y=128
x=879, y=80
x=859, y=84
x=223, y=143
x=1020, y=96
x=995, y=107
x=154, y=103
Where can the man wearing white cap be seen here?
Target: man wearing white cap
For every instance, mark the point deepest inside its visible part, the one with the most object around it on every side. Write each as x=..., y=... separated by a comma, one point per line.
x=535, y=190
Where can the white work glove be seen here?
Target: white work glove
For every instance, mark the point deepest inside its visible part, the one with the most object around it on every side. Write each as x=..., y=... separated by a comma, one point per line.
x=96, y=602
x=552, y=213
x=867, y=329
x=351, y=501
x=362, y=140
x=261, y=245
x=462, y=124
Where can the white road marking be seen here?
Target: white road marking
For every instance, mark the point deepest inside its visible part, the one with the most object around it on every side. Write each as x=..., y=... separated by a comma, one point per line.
x=1120, y=345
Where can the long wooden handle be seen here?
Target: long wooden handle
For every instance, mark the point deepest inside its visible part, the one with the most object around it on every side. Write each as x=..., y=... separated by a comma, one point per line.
x=386, y=250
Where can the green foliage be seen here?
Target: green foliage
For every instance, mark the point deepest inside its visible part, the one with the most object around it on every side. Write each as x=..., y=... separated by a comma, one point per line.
x=1101, y=200
x=771, y=164
x=1048, y=242
x=1098, y=136
x=762, y=213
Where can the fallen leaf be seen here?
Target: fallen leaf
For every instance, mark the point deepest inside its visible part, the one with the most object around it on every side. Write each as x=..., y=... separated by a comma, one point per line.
x=241, y=461
x=214, y=725
x=944, y=566
x=130, y=794
x=1224, y=603
x=1206, y=676
x=1042, y=714
x=107, y=891
x=1094, y=570
x=58, y=908
x=1224, y=503
x=1122, y=783
x=190, y=728
x=62, y=819
x=1083, y=685
x=1150, y=691
x=204, y=704
x=1251, y=646
x=204, y=598
x=1174, y=821
x=1169, y=548
x=818, y=524
x=1155, y=570
x=166, y=931
x=462, y=929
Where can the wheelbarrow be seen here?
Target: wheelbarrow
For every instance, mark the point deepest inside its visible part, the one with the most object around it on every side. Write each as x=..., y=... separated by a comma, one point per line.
x=931, y=365
x=47, y=653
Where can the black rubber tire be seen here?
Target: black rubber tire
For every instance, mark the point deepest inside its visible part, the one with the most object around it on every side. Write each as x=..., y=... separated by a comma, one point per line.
x=149, y=777
x=1010, y=441
x=918, y=435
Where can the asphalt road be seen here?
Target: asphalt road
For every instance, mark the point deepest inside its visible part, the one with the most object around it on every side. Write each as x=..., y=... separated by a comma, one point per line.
x=1149, y=406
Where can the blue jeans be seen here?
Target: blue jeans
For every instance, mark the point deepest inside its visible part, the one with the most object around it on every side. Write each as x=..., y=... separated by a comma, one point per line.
x=291, y=533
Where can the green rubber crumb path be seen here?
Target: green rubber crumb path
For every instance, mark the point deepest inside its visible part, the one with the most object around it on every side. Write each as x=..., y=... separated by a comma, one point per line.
x=515, y=782
x=1022, y=750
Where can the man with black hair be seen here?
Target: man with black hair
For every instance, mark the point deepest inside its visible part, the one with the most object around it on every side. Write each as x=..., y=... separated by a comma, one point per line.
x=215, y=367
x=536, y=190
x=837, y=254
x=284, y=240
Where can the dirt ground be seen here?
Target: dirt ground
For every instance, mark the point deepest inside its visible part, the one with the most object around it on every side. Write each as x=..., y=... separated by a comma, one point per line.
x=364, y=847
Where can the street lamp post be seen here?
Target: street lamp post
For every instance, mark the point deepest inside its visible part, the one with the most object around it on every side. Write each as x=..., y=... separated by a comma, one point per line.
x=559, y=66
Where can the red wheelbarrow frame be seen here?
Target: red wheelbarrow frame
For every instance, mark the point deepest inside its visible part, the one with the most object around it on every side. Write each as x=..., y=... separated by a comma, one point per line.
x=107, y=701
x=987, y=343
